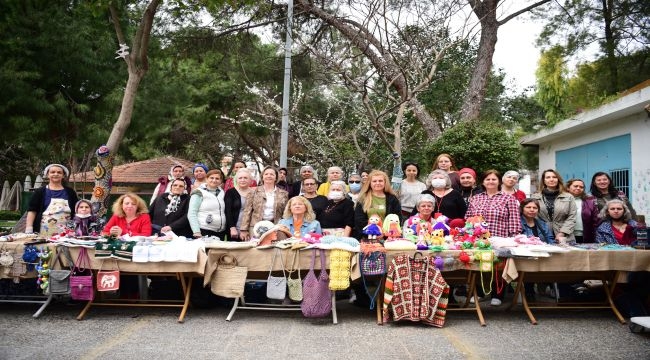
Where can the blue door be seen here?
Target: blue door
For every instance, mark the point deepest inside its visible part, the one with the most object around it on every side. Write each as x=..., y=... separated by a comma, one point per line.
x=613, y=155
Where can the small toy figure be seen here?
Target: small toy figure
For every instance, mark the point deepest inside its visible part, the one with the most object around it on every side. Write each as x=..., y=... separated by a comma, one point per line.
x=392, y=227
x=373, y=229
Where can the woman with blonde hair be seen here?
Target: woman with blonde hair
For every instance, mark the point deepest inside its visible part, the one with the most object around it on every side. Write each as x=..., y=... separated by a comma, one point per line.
x=446, y=163
x=299, y=218
x=376, y=197
x=130, y=216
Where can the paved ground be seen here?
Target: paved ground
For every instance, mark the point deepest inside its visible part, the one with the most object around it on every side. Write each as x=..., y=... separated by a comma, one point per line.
x=117, y=333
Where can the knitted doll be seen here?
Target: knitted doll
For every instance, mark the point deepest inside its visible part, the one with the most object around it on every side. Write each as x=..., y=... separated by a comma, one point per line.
x=83, y=218
x=373, y=229
x=392, y=227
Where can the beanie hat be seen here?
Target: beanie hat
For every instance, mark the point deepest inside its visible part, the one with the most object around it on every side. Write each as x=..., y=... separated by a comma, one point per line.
x=467, y=171
x=510, y=173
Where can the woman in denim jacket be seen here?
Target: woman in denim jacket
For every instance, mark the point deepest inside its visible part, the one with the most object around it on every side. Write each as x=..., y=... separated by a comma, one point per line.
x=299, y=218
x=531, y=225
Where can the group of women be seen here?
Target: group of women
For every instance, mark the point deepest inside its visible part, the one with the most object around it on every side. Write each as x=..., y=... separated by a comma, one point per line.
x=556, y=213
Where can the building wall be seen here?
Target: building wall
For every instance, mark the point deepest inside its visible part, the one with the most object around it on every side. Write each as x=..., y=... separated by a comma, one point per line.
x=638, y=126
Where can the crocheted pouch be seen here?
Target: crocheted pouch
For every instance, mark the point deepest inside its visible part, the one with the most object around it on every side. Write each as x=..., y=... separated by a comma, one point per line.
x=339, y=269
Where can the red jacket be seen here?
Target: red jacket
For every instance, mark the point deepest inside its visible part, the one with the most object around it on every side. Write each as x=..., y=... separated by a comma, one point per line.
x=140, y=226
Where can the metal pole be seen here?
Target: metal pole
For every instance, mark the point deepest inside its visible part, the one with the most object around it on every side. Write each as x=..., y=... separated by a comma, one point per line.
x=284, y=133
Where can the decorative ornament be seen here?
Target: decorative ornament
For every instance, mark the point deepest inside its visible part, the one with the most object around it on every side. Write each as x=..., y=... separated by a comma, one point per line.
x=122, y=52
x=439, y=262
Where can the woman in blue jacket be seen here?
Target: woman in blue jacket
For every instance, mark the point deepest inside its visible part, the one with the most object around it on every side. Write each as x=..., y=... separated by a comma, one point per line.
x=531, y=225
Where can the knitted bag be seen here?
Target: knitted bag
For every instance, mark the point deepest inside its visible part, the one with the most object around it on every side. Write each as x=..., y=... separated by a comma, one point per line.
x=316, y=296
x=276, y=286
x=339, y=269
x=373, y=263
x=81, y=280
x=60, y=279
x=295, y=285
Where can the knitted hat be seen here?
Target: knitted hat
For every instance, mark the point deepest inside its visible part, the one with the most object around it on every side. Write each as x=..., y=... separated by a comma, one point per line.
x=510, y=173
x=76, y=206
x=467, y=171
x=201, y=165
x=276, y=233
x=261, y=227
x=47, y=168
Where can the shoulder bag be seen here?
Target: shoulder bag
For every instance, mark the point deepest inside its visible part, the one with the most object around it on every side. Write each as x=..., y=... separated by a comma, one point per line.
x=81, y=280
x=108, y=280
x=295, y=285
x=229, y=279
x=60, y=279
x=316, y=295
x=276, y=286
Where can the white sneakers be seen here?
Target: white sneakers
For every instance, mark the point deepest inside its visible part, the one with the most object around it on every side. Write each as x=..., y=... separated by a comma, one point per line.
x=495, y=302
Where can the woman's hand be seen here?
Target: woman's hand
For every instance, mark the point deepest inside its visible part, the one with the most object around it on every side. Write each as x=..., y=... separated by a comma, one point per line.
x=243, y=235
x=115, y=231
x=197, y=235
x=234, y=234
x=165, y=229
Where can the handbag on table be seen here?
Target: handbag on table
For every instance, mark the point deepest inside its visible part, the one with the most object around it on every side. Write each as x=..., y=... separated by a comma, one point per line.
x=60, y=279
x=316, y=295
x=295, y=285
x=229, y=279
x=108, y=280
x=81, y=279
x=276, y=286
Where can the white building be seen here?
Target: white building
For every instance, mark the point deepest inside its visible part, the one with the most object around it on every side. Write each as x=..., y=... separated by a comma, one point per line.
x=614, y=138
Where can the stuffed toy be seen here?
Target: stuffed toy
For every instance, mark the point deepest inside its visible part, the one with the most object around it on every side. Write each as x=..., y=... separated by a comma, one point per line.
x=373, y=229
x=437, y=237
x=409, y=234
x=392, y=227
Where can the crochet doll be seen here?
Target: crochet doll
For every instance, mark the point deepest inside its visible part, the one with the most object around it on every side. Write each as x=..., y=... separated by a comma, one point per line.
x=373, y=229
x=392, y=227
x=84, y=218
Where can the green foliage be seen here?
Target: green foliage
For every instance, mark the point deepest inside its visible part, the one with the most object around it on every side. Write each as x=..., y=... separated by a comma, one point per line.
x=552, y=88
x=9, y=215
x=481, y=145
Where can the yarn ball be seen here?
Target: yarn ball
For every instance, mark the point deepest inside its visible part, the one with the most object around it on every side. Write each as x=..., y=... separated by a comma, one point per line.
x=464, y=258
x=439, y=262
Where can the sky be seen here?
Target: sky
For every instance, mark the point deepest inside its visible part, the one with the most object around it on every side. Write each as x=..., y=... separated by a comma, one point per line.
x=516, y=53
x=515, y=49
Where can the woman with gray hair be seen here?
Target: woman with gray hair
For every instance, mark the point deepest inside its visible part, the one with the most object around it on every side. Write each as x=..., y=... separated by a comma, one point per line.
x=424, y=205
x=306, y=172
x=509, y=183
x=449, y=201
x=617, y=226
x=334, y=173
x=338, y=216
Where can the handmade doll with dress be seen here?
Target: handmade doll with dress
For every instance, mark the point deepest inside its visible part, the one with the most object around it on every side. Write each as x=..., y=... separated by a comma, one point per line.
x=373, y=229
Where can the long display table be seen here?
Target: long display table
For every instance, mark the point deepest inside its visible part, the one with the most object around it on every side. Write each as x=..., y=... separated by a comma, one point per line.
x=573, y=266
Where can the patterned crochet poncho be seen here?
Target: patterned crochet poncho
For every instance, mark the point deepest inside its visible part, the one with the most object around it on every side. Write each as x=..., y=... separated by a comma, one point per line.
x=416, y=291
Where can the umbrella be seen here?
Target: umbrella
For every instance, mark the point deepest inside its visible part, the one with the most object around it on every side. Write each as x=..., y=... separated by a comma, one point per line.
x=5, y=195
x=28, y=182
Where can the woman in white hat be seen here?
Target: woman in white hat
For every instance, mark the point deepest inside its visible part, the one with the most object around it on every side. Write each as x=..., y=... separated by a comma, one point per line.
x=51, y=206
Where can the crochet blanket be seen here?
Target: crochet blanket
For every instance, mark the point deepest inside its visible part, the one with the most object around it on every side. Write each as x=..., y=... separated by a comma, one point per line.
x=416, y=291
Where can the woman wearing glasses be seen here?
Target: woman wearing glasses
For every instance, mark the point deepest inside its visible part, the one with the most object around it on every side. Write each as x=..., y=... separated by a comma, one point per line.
x=354, y=182
x=318, y=202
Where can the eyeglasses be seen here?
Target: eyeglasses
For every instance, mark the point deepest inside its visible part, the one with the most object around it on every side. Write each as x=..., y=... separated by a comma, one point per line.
x=354, y=181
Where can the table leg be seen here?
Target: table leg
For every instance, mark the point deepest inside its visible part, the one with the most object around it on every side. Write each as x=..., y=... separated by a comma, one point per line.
x=524, y=301
x=42, y=308
x=608, y=294
x=335, y=319
x=85, y=310
x=472, y=292
x=234, y=308
x=186, y=284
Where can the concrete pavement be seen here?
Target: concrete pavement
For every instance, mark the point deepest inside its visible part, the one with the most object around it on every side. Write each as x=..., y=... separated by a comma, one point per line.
x=121, y=333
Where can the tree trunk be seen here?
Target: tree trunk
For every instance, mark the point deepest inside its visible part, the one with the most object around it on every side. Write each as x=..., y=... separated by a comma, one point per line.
x=486, y=12
x=610, y=47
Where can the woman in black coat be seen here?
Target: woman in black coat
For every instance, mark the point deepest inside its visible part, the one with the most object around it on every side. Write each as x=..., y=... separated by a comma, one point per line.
x=169, y=211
